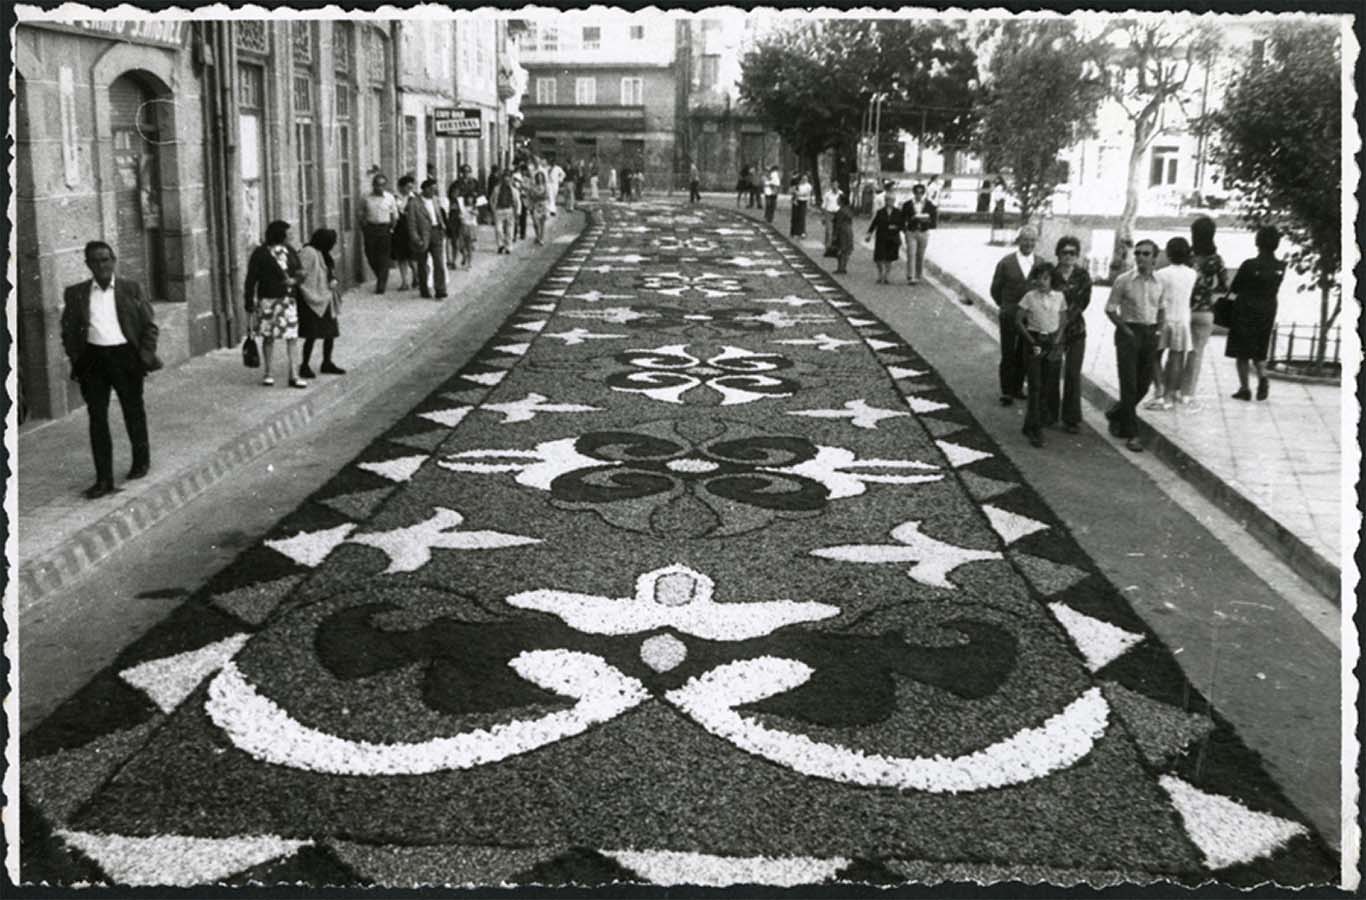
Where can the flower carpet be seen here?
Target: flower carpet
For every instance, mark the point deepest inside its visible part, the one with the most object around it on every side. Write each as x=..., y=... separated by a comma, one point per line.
x=696, y=574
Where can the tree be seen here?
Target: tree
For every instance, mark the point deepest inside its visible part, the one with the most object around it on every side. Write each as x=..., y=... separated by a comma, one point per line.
x=1148, y=63
x=1040, y=97
x=1280, y=150
x=811, y=82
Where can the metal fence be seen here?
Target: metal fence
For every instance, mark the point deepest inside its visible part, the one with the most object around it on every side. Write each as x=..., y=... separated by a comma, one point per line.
x=1298, y=344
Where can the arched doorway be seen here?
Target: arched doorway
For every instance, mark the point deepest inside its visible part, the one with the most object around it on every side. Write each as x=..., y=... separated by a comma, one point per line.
x=136, y=126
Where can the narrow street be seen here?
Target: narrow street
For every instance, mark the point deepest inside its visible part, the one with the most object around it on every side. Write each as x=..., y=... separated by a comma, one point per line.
x=686, y=563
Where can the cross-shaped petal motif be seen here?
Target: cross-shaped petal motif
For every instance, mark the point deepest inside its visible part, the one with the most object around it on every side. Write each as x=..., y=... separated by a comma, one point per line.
x=410, y=548
x=934, y=559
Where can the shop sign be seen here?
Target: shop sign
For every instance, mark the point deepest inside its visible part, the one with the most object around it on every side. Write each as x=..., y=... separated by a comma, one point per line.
x=160, y=32
x=454, y=122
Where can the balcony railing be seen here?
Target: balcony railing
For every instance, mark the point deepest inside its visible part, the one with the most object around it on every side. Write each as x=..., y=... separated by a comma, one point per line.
x=606, y=115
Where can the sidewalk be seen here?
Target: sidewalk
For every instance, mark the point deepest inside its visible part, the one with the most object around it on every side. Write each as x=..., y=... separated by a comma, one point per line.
x=1276, y=465
x=210, y=416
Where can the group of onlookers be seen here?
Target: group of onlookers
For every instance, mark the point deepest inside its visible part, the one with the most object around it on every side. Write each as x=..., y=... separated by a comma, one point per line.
x=1157, y=312
x=910, y=222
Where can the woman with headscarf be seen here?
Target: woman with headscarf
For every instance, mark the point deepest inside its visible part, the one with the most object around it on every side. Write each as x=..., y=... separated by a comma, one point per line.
x=886, y=225
x=319, y=303
x=1254, y=311
x=273, y=274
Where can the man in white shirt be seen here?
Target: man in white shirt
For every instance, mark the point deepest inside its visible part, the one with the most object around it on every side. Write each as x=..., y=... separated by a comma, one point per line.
x=772, y=184
x=554, y=178
x=830, y=205
x=109, y=333
x=378, y=215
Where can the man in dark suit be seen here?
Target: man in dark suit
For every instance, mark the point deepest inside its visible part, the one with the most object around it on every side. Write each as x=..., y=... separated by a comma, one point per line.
x=920, y=217
x=427, y=227
x=109, y=333
x=1009, y=284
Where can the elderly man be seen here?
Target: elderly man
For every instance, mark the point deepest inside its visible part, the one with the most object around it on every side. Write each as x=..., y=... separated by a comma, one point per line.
x=378, y=215
x=109, y=333
x=1009, y=284
x=1137, y=305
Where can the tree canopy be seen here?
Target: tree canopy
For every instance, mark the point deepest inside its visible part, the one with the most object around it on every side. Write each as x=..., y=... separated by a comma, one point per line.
x=1281, y=142
x=812, y=81
x=1040, y=97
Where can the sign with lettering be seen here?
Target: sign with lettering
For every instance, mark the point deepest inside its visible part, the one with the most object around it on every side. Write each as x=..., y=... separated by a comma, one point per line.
x=161, y=32
x=452, y=122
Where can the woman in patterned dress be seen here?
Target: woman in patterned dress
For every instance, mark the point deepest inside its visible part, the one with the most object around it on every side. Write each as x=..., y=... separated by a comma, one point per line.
x=1211, y=283
x=273, y=273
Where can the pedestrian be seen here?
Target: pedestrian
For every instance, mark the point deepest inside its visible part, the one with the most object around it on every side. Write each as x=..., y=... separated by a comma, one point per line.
x=886, y=225
x=271, y=292
x=1074, y=281
x=554, y=177
x=594, y=181
x=571, y=187
x=844, y=235
x=378, y=216
x=1137, y=305
x=756, y=188
x=1211, y=283
x=934, y=191
x=507, y=204
x=694, y=184
x=612, y=183
x=320, y=305
x=801, y=199
x=538, y=192
x=469, y=198
x=399, y=250
x=109, y=333
x=830, y=205
x=742, y=186
x=1178, y=282
x=451, y=201
x=998, y=209
x=1254, y=288
x=1009, y=283
x=427, y=227
x=638, y=182
x=771, y=185
x=920, y=217
x=1039, y=320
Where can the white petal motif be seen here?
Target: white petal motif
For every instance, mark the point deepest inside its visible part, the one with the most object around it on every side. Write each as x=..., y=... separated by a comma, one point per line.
x=178, y=860
x=410, y=548
x=1227, y=832
x=169, y=680
x=673, y=867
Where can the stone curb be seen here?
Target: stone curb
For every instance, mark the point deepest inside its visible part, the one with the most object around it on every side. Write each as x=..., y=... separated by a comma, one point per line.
x=1306, y=562
x=70, y=560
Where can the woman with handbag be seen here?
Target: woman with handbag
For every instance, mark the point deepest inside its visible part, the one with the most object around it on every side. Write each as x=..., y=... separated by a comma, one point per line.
x=319, y=301
x=1211, y=285
x=273, y=274
x=1254, y=312
x=886, y=225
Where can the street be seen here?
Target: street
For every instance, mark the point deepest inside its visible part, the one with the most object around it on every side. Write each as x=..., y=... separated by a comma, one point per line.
x=685, y=564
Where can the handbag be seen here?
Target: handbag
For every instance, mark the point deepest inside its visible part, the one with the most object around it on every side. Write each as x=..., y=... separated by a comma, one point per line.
x=1223, y=312
x=251, y=357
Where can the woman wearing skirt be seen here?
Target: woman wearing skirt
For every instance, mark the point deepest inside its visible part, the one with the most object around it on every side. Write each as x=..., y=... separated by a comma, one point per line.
x=400, y=254
x=318, y=301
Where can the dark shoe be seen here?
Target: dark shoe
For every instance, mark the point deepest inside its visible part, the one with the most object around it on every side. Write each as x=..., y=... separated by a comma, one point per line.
x=98, y=490
x=1006, y=401
x=441, y=296
x=1071, y=428
x=1263, y=388
x=1021, y=395
x=1134, y=444
x=1114, y=429
x=1035, y=438
x=328, y=368
x=306, y=372
x=424, y=295
x=139, y=470
x=1242, y=394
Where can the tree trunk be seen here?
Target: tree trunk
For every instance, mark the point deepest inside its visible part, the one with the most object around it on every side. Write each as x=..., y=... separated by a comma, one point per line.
x=1144, y=127
x=1326, y=320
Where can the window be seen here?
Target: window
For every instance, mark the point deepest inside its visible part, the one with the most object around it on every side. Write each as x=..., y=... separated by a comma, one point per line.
x=637, y=32
x=1164, y=166
x=550, y=39
x=585, y=91
x=251, y=153
x=711, y=64
x=545, y=91
x=632, y=91
x=592, y=37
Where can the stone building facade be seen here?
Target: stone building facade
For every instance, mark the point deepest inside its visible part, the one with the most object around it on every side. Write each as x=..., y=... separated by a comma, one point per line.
x=177, y=141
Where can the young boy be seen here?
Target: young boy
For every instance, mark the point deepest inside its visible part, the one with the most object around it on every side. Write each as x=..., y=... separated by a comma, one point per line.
x=1040, y=320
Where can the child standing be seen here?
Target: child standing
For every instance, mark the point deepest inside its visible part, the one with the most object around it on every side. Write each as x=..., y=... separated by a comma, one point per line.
x=1040, y=320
